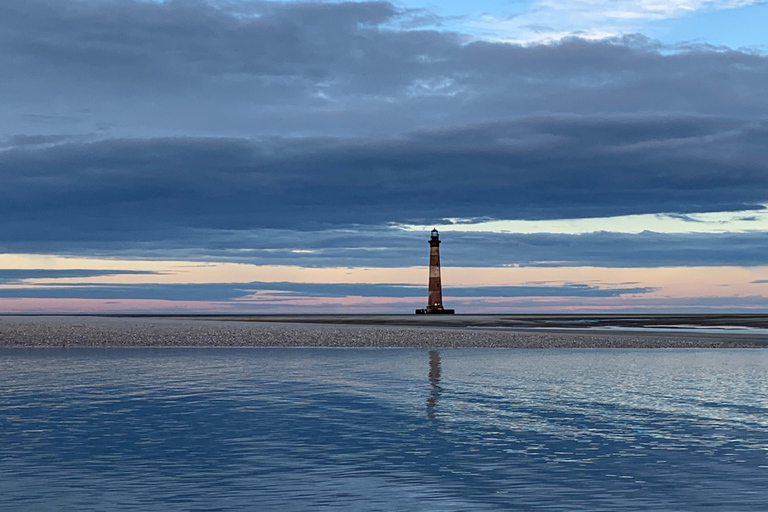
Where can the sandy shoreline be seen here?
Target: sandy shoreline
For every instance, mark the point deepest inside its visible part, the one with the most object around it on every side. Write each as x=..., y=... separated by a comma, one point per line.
x=86, y=331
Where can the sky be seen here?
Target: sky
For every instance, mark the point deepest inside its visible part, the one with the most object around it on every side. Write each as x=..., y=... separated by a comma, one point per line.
x=246, y=156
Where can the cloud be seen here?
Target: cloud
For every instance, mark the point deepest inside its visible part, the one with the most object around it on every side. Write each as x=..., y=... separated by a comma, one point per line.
x=183, y=68
x=15, y=276
x=293, y=292
x=554, y=19
x=383, y=247
x=554, y=166
x=34, y=140
x=258, y=131
x=610, y=250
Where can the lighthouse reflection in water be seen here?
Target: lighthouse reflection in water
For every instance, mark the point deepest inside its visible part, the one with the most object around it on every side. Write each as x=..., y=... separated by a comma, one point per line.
x=434, y=380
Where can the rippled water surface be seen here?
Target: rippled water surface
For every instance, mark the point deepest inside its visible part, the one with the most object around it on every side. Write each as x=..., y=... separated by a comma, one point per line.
x=389, y=429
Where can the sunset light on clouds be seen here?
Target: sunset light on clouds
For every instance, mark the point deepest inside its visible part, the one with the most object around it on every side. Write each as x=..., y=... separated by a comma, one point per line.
x=246, y=157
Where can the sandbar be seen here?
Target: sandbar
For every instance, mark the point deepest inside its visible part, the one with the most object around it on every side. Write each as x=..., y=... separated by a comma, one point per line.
x=359, y=331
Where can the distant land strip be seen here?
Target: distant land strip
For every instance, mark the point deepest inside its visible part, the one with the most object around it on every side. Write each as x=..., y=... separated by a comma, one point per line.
x=500, y=331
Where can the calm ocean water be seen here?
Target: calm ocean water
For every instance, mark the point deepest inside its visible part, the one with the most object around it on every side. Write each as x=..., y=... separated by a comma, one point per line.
x=388, y=429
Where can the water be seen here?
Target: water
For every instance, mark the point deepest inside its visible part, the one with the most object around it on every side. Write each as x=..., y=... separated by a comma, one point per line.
x=390, y=429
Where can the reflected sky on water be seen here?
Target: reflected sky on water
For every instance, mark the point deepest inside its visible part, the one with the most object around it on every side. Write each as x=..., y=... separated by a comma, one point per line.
x=387, y=429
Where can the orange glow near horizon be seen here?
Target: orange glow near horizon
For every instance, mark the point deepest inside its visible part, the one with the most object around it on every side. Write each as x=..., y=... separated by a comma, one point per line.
x=670, y=285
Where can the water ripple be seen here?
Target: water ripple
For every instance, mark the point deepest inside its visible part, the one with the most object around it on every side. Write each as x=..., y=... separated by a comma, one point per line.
x=395, y=429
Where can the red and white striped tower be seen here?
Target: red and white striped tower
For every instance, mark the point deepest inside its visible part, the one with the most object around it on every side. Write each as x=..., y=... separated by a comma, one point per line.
x=435, y=300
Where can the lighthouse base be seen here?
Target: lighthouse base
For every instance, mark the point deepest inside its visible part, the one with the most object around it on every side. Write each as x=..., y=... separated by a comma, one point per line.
x=431, y=311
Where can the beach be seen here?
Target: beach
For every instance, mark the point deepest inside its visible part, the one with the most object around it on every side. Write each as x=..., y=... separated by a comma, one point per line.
x=355, y=331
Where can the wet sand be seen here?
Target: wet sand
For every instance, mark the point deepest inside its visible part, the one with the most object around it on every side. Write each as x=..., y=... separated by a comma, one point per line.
x=359, y=331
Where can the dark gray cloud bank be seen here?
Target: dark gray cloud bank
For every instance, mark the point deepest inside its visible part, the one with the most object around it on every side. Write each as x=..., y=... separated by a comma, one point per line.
x=247, y=130
x=137, y=68
x=280, y=195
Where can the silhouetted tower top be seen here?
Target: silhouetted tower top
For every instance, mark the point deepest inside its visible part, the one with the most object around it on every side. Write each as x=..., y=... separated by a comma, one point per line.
x=435, y=299
x=434, y=240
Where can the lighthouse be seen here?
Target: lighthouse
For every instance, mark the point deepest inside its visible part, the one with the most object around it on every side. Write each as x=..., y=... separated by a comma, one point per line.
x=435, y=299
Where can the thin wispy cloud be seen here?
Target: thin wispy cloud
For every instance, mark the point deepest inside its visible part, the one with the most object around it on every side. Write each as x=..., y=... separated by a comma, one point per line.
x=551, y=20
